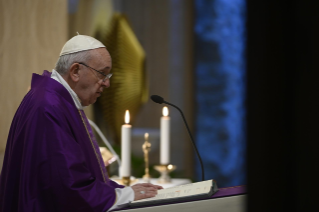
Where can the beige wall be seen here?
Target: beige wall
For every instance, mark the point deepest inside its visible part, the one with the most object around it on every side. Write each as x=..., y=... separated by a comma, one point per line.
x=32, y=33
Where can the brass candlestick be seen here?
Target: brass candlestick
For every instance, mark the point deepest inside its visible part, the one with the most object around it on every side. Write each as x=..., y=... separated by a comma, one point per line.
x=126, y=181
x=146, y=149
x=165, y=170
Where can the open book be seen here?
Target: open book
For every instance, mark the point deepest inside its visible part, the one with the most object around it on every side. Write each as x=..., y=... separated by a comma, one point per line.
x=186, y=192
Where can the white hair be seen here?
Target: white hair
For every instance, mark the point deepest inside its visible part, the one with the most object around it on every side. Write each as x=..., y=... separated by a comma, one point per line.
x=65, y=61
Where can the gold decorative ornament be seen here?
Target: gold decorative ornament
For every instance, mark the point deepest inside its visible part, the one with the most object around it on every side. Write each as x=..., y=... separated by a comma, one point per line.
x=129, y=89
x=146, y=149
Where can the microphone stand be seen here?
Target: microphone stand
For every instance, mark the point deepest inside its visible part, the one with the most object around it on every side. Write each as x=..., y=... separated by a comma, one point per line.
x=190, y=134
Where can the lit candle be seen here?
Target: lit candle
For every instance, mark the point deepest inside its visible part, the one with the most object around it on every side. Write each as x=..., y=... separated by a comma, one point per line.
x=165, y=131
x=126, y=147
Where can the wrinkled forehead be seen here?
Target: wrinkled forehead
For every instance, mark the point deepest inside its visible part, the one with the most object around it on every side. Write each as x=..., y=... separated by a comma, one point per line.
x=101, y=57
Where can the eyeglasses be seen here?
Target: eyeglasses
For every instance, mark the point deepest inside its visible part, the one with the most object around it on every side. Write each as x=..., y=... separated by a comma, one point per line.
x=106, y=76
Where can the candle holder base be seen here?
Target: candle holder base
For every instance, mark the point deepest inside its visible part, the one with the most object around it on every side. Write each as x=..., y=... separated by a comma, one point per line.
x=147, y=178
x=164, y=170
x=126, y=181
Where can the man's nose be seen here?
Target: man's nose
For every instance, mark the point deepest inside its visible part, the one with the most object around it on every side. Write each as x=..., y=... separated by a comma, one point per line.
x=106, y=83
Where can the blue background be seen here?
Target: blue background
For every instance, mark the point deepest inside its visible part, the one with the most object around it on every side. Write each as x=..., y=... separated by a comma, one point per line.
x=220, y=89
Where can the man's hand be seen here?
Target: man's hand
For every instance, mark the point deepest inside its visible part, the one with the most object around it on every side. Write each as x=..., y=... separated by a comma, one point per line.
x=145, y=190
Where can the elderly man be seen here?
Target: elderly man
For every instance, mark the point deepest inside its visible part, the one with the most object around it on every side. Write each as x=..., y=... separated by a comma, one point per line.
x=52, y=161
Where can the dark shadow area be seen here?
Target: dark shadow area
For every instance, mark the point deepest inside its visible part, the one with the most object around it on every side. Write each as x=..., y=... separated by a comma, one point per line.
x=282, y=105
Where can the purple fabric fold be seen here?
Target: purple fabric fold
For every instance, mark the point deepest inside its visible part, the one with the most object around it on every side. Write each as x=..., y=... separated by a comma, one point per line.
x=95, y=146
x=51, y=158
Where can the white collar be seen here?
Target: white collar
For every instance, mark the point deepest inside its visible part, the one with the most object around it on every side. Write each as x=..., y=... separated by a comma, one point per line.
x=55, y=75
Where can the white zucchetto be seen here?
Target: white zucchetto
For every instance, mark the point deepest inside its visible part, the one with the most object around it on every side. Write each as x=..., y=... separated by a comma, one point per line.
x=80, y=43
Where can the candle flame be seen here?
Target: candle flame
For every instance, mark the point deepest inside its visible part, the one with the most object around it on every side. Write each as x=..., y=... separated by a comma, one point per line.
x=127, y=117
x=165, y=111
x=146, y=136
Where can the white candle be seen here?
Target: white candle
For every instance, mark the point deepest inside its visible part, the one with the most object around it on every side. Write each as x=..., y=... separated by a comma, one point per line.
x=126, y=147
x=165, y=132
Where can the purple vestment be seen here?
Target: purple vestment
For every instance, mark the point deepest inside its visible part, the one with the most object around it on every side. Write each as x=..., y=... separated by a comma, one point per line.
x=52, y=161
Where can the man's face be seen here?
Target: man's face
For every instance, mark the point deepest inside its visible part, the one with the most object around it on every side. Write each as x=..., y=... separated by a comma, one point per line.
x=91, y=83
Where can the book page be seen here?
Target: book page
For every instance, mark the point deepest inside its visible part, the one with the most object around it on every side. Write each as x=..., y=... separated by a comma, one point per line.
x=181, y=191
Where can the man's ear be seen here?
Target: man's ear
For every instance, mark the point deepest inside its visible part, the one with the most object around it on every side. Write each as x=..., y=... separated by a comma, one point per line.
x=74, y=72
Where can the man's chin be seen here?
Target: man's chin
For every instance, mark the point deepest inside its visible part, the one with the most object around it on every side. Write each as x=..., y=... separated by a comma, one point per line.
x=85, y=104
x=92, y=101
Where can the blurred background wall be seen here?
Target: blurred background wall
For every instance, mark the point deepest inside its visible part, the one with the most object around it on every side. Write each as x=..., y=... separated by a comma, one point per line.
x=179, y=38
x=31, y=35
x=166, y=34
x=220, y=88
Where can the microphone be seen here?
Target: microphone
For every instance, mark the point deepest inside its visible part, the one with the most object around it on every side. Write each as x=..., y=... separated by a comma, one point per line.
x=160, y=100
x=157, y=99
